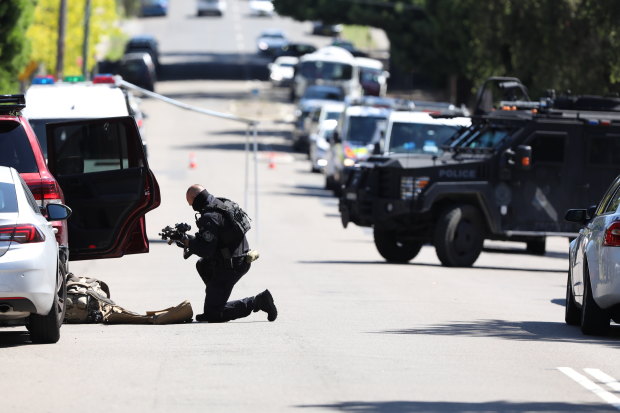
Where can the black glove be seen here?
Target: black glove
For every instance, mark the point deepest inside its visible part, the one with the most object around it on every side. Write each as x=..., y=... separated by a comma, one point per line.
x=182, y=240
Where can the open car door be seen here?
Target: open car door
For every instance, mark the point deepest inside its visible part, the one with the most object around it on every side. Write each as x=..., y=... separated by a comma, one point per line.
x=102, y=169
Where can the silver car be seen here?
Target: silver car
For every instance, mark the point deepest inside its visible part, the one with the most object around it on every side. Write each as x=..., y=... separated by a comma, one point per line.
x=593, y=286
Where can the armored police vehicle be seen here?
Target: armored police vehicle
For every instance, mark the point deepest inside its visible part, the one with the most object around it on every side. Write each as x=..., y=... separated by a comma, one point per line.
x=510, y=176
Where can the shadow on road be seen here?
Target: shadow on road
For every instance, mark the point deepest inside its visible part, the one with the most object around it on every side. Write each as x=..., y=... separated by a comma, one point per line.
x=500, y=406
x=550, y=254
x=515, y=330
x=475, y=267
x=14, y=338
x=212, y=66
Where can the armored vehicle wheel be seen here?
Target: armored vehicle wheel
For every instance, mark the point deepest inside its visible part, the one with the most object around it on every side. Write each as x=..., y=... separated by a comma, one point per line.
x=393, y=250
x=594, y=320
x=572, y=313
x=459, y=236
x=46, y=328
x=537, y=246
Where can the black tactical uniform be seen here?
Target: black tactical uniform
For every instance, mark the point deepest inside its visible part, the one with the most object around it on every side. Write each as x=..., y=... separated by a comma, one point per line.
x=220, y=268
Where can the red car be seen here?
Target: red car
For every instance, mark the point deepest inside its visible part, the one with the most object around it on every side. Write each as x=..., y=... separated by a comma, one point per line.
x=97, y=167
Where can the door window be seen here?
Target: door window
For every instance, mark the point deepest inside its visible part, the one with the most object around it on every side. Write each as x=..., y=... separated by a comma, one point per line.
x=604, y=150
x=85, y=148
x=548, y=148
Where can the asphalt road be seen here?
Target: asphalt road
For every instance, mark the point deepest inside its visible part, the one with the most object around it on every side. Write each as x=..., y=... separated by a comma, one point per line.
x=354, y=334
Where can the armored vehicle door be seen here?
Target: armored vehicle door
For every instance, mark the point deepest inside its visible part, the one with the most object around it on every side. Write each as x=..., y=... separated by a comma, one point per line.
x=538, y=194
x=600, y=163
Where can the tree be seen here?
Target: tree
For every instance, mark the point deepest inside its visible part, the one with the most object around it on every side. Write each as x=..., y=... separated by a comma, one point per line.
x=15, y=16
x=44, y=32
x=559, y=44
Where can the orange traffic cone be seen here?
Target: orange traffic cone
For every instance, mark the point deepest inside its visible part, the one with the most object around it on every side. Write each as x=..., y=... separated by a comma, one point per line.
x=272, y=163
x=192, y=161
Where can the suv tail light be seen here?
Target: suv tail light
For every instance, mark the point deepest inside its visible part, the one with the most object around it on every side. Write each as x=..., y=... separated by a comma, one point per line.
x=23, y=234
x=612, y=235
x=46, y=192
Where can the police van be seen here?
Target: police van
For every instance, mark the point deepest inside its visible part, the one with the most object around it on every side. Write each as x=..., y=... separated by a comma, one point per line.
x=510, y=176
x=50, y=101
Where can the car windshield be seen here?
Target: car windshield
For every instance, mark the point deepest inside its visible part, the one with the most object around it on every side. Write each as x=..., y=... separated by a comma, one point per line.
x=326, y=70
x=272, y=36
x=370, y=75
x=408, y=137
x=326, y=94
x=362, y=129
x=15, y=149
x=333, y=115
x=481, y=138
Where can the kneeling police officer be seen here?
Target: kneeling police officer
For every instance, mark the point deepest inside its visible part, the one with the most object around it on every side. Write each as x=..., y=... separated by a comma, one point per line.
x=220, y=265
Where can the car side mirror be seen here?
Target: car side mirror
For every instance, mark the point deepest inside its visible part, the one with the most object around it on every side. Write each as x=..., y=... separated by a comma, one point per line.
x=523, y=157
x=376, y=150
x=579, y=216
x=57, y=212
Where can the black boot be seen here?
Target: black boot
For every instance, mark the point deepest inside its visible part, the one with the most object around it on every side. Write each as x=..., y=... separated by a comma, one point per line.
x=264, y=302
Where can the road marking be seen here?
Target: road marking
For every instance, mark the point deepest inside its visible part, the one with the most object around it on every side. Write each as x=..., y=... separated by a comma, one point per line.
x=593, y=387
x=604, y=378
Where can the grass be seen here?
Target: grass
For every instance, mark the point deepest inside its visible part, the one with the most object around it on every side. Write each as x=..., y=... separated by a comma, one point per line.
x=359, y=36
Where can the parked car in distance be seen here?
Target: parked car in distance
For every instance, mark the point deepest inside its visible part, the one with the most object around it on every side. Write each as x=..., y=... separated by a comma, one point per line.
x=211, y=7
x=294, y=49
x=314, y=97
x=270, y=40
x=319, y=144
x=322, y=29
x=349, y=47
x=372, y=76
x=149, y=8
x=33, y=276
x=261, y=8
x=593, y=286
x=138, y=68
x=144, y=43
x=282, y=70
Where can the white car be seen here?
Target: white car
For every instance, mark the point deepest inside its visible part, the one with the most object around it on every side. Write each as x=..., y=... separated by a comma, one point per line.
x=211, y=7
x=593, y=286
x=32, y=279
x=282, y=70
x=261, y=8
x=319, y=144
x=270, y=40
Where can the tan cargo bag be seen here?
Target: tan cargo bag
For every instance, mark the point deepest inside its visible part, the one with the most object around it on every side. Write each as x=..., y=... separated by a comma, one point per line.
x=88, y=301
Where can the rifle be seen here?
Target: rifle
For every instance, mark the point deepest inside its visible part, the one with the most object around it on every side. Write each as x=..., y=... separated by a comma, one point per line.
x=177, y=234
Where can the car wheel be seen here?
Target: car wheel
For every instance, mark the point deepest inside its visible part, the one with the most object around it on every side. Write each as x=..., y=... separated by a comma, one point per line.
x=458, y=236
x=594, y=320
x=394, y=250
x=572, y=313
x=537, y=246
x=46, y=328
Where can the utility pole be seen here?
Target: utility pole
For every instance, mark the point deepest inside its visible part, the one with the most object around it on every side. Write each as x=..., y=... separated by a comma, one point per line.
x=85, y=44
x=60, y=48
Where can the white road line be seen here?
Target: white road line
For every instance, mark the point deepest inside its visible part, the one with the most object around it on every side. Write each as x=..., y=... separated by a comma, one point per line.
x=593, y=387
x=604, y=378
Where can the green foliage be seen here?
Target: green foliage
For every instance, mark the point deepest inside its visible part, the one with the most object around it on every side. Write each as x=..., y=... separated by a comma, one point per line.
x=15, y=16
x=44, y=33
x=559, y=44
